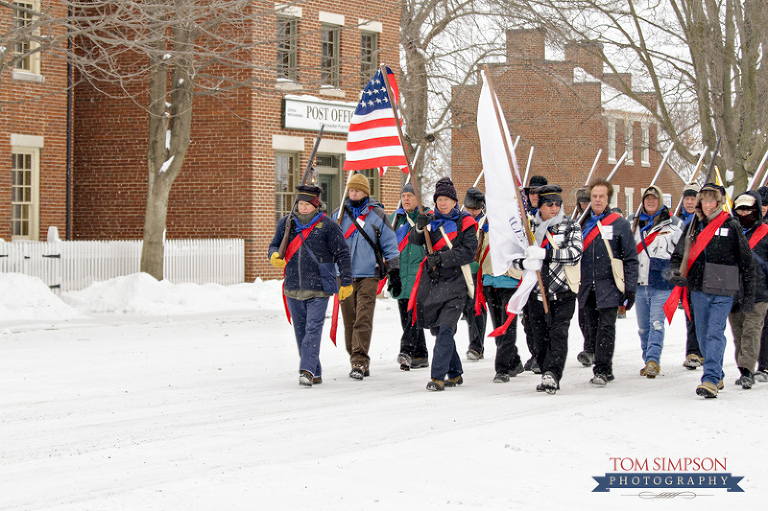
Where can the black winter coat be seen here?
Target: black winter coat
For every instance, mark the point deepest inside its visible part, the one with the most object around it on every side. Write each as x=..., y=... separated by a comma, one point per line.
x=441, y=301
x=596, y=266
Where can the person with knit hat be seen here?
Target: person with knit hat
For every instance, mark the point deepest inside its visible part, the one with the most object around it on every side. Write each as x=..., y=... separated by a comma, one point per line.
x=374, y=253
x=315, y=249
x=413, y=345
x=444, y=282
x=693, y=358
x=747, y=325
x=656, y=237
x=719, y=264
x=474, y=204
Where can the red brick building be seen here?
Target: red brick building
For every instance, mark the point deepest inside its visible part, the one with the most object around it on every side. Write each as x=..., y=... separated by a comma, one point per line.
x=33, y=134
x=248, y=148
x=567, y=110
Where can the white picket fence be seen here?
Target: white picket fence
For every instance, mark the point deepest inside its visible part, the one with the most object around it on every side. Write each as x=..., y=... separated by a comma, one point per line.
x=74, y=265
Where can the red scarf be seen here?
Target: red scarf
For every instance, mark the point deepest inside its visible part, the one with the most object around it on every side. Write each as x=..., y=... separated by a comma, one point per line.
x=702, y=240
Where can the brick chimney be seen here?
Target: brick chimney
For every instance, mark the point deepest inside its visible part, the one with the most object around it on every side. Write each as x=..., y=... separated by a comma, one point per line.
x=526, y=44
x=586, y=55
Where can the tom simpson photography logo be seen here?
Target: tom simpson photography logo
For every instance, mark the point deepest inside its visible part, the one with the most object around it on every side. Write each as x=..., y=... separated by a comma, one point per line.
x=654, y=478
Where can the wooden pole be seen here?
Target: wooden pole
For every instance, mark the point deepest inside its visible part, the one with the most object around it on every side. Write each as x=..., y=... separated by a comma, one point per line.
x=520, y=205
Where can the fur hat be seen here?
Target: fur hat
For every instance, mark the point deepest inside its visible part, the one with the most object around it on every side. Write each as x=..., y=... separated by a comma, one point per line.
x=474, y=198
x=691, y=190
x=535, y=182
x=309, y=193
x=444, y=187
x=582, y=195
x=549, y=193
x=359, y=182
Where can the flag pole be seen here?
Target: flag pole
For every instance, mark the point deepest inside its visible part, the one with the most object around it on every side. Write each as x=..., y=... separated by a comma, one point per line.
x=589, y=176
x=528, y=166
x=521, y=207
x=392, y=103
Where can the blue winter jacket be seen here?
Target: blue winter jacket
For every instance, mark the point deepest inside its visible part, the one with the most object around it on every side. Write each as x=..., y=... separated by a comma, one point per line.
x=379, y=229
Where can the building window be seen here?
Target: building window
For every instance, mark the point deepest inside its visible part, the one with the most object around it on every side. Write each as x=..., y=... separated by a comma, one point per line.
x=286, y=170
x=24, y=46
x=645, y=150
x=629, y=200
x=368, y=59
x=24, y=194
x=611, y=142
x=330, y=62
x=287, y=48
x=629, y=142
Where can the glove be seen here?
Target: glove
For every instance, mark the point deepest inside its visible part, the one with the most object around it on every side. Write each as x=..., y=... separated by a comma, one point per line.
x=344, y=292
x=531, y=264
x=678, y=280
x=748, y=303
x=535, y=252
x=422, y=220
x=276, y=261
x=629, y=300
x=395, y=286
x=434, y=262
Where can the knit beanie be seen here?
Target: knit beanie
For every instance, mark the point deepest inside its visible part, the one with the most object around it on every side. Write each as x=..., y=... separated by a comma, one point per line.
x=359, y=182
x=408, y=188
x=444, y=187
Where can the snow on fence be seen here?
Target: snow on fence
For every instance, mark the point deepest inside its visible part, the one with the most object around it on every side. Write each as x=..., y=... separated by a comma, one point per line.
x=74, y=265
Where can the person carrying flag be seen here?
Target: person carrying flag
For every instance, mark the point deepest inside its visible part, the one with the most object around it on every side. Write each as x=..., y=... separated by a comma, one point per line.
x=556, y=253
x=474, y=204
x=413, y=344
x=373, y=250
x=718, y=260
x=606, y=235
x=656, y=237
x=442, y=286
x=315, y=248
x=747, y=325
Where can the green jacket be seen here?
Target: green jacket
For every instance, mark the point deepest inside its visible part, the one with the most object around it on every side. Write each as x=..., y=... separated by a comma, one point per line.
x=411, y=255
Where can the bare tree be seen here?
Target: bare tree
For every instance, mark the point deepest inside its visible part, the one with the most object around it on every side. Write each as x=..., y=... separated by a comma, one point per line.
x=707, y=57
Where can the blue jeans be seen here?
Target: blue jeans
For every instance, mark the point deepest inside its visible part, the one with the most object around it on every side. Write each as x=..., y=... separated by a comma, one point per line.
x=711, y=313
x=308, y=317
x=649, y=303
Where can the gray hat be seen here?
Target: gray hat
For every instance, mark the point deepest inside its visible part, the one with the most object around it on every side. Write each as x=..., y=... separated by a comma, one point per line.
x=408, y=188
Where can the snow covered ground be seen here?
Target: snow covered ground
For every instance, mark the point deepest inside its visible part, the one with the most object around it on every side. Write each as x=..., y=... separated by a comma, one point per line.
x=139, y=395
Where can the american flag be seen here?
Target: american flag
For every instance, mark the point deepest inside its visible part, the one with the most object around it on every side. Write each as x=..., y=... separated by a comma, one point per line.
x=373, y=140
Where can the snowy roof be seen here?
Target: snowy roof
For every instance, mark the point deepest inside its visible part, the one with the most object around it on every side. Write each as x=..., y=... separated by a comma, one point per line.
x=611, y=97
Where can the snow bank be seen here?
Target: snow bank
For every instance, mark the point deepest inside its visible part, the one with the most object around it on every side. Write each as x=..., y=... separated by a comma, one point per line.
x=28, y=298
x=140, y=293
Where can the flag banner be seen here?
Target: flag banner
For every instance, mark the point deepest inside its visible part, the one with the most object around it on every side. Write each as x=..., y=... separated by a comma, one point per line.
x=373, y=140
x=507, y=235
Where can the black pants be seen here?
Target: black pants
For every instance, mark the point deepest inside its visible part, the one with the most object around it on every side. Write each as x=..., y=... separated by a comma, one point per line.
x=507, y=357
x=552, y=341
x=589, y=348
x=476, y=325
x=526, y=321
x=412, y=343
x=762, y=359
x=601, y=331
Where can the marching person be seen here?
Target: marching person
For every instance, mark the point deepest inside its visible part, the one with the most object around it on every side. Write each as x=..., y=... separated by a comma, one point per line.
x=557, y=248
x=315, y=245
x=373, y=250
x=474, y=204
x=413, y=344
x=533, y=207
x=585, y=357
x=656, y=236
x=762, y=362
x=599, y=293
x=445, y=280
x=719, y=261
x=693, y=358
x=746, y=325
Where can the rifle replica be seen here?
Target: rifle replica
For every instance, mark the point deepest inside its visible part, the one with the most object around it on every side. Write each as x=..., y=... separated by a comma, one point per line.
x=307, y=172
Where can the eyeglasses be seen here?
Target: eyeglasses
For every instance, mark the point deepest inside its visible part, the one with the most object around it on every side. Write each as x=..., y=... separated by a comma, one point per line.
x=549, y=203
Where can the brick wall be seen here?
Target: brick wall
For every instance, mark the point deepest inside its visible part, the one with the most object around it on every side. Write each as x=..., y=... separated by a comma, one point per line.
x=227, y=186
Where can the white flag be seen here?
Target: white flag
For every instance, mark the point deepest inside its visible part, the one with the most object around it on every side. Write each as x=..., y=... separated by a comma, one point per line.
x=502, y=207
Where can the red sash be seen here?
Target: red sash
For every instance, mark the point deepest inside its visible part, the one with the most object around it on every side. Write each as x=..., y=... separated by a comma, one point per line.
x=644, y=242
x=479, y=296
x=705, y=236
x=292, y=248
x=403, y=243
x=353, y=226
x=759, y=234
x=595, y=231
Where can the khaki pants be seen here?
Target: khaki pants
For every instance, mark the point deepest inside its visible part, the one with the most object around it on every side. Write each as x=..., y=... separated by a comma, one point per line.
x=747, y=329
x=357, y=311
